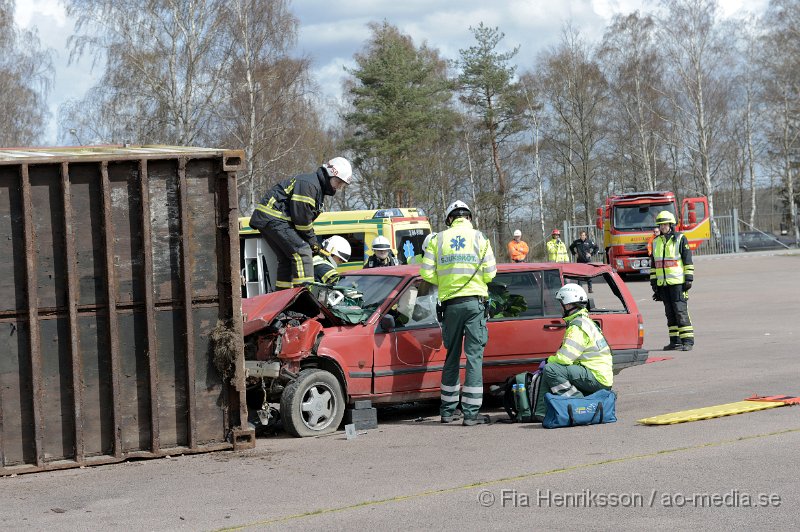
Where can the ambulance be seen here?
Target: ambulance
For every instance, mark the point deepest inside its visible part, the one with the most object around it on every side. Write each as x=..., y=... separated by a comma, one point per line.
x=405, y=229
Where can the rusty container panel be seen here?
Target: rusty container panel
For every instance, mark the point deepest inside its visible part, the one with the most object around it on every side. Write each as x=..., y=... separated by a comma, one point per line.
x=116, y=264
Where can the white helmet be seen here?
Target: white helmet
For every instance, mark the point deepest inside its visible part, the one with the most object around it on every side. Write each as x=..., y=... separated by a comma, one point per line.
x=456, y=208
x=572, y=293
x=338, y=246
x=381, y=243
x=517, y=233
x=339, y=167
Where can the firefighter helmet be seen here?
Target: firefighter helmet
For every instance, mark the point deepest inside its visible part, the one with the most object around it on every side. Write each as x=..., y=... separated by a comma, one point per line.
x=455, y=210
x=572, y=293
x=339, y=167
x=555, y=232
x=338, y=246
x=665, y=217
x=381, y=243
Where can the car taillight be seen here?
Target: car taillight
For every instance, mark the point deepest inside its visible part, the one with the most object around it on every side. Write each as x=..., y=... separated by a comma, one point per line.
x=641, y=329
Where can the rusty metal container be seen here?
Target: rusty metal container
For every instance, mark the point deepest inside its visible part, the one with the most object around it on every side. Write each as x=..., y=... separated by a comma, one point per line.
x=116, y=264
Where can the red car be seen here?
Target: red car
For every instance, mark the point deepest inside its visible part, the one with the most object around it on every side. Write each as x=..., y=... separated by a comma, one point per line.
x=382, y=341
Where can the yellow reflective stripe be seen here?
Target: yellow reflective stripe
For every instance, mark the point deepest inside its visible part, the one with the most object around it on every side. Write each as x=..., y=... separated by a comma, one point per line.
x=304, y=227
x=330, y=274
x=283, y=284
x=304, y=199
x=272, y=212
x=298, y=265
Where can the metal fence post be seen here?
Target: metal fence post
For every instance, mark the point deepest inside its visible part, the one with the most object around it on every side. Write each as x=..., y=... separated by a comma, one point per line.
x=735, y=222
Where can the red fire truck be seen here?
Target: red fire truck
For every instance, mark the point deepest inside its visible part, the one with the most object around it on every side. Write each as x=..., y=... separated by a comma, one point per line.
x=628, y=220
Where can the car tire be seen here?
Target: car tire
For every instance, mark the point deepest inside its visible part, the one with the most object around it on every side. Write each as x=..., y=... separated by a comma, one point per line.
x=742, y=250
x=312, y=404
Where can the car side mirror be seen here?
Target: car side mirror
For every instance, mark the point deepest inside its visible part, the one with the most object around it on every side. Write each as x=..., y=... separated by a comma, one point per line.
x=387, y=323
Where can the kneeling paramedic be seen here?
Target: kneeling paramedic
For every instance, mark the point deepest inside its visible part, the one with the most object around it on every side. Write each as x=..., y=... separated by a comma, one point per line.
x=460, y=261
x=286, y=214
x=583, y=364
x=335, y=250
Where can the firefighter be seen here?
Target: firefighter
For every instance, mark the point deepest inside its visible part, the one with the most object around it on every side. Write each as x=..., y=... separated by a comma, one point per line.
x=382, y=255
x=671, y=276
x=517, y=248
x=582, y=248
x=285, y=217
x=460, y=261
x=335, y=250
x=556, y=249
x=583, y=364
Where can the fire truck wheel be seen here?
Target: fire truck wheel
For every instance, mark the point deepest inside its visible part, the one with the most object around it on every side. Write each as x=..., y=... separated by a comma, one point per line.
x=312, y=404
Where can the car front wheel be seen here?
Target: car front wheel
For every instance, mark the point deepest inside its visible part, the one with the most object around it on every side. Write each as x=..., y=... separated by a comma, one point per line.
x=312, y=404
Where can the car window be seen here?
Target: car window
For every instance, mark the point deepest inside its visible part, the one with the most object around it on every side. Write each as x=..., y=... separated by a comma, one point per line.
x=524, y=295
x=416, y=306
x=604, y=295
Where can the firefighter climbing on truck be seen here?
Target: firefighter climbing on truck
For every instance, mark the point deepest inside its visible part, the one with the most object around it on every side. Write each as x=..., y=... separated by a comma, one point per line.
x=285, y=217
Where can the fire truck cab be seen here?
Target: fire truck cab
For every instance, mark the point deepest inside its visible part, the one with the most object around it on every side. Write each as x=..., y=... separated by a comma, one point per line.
x=628, y=221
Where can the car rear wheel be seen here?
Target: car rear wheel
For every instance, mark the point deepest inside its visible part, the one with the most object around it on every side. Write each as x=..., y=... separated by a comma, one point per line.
x=312, y=404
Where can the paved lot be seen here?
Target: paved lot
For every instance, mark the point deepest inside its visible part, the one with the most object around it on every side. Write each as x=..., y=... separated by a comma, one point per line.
x=414, y=473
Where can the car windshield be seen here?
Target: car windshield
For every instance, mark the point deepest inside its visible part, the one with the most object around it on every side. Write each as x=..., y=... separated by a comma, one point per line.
x=374, y=289
x=639, y=217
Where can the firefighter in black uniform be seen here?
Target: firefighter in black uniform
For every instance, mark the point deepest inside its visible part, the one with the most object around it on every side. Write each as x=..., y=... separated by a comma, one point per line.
x=582, y=249
x=671, y=278
x=286, y=214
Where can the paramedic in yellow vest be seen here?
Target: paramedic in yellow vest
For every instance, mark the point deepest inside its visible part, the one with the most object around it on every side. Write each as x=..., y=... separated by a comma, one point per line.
x=583, y=364
x=556, y=249
x=517, y=248
x=460, y=262
x=285, y=217
x=671, y=276
x=335, y=250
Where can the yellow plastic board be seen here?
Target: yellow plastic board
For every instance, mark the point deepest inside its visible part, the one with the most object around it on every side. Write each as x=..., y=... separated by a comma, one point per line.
x=709, y=412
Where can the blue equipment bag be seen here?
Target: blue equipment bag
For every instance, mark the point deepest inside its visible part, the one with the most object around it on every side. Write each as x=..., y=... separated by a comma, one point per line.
x=565, y=411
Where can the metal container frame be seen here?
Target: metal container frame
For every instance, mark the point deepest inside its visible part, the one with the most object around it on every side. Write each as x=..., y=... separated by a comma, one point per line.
x=115, y=265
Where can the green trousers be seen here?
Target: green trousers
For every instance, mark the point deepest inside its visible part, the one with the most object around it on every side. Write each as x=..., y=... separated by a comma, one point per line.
x=464, y=320
x=574, y=381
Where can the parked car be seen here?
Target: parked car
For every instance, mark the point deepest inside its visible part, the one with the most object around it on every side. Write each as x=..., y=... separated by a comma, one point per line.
x=378, y=338
x=758, y=241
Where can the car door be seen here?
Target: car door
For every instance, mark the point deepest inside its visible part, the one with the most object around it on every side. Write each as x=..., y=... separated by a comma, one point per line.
x=410, y=356
x=525, y=324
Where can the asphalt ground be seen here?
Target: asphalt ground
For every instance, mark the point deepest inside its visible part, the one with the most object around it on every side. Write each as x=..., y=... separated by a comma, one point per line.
x=416, y=473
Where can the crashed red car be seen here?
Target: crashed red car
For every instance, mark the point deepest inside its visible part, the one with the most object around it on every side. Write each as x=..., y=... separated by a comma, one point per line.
x=382, y=342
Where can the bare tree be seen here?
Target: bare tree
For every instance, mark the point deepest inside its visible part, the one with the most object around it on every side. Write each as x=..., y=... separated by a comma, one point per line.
x=629, y=56
x=26, y=72
x=696, y=52
x=782, y=95
x=576, y=92
x=164, y=64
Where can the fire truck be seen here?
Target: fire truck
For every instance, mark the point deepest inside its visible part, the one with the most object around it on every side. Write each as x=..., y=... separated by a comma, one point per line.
x=628, y=221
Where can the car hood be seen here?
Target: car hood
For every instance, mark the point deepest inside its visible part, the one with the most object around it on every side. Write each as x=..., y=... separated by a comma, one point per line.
x=260, y=311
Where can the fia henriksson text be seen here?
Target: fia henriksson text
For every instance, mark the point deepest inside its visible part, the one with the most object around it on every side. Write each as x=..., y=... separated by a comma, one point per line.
x=512, y=498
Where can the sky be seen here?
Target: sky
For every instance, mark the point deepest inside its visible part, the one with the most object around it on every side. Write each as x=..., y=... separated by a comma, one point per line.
x=332, y=31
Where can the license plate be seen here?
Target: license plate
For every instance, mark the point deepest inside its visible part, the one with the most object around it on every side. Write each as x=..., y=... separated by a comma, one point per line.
x=644, y=270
